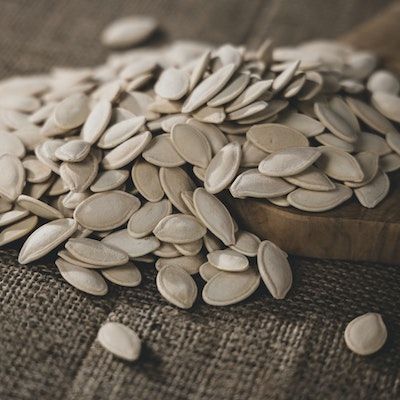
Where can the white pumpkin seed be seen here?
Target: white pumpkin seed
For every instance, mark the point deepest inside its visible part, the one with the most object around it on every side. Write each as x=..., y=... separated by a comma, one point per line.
x=228, y=260
x=144, y=220
x=12, y=178
x=231, y=91
x=73, y=151
x=338, y=164
x=120, y=132
x=207, y=271
x=226, y=288
x=174, y=181
x=246, y=243
x=371, y=194
x=134, y=247
x=109, y=180
x=190, y=249
x=179, y=228
x=128, y=31
x=79, y=176
x=96, y=122
x=312, y=179
x=72, y=111
x=11, y=144
x=223, y=168
x=208, y=88
x=97, y=214
x=39, y=208
x=123, y=275
x=315, y=201
x=190, y=264
x=366, y=334
x=126, y=151
x=369, y=163
x=46, y=238
x=177, y=286
x=274, y=269
x=275, y=137
x=254, y=184
x=83, y=279
x=388, y=104
x=191, y=145
x=94, y=252
x=214, y=215
x=308, y=126
x=145, y=176
x=172, y=84
x=161, y=152
x=18, y=230
x=290, y=161
x=35, y=170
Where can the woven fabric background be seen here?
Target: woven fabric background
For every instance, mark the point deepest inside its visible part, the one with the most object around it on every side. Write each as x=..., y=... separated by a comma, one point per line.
x=260, y=349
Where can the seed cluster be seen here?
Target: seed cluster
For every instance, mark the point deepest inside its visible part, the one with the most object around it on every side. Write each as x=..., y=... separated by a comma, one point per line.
x=126, y=163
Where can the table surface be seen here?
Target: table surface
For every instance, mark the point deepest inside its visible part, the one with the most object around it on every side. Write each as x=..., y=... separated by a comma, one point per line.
x=260, y=349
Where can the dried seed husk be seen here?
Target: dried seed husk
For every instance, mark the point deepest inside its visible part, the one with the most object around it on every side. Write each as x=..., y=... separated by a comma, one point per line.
x=46, y=238
x=389, y=162
x=335, y=123
x=388, y=104
x=15, y=214
x=35, y=170
x=97, y=214
x=73, y=151
x=97, y=121
x=232, y=90
x=372, y=143
x=166, y=250
x=190, y=249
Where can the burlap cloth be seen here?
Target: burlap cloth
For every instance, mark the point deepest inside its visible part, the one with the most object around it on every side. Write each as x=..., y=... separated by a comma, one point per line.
x=260, y=349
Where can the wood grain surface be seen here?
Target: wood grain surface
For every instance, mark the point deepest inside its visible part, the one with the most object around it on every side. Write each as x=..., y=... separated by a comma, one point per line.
x=351, y=231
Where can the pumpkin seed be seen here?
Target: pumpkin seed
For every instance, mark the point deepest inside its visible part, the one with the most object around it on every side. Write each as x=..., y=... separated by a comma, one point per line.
x=366, y=334
x=371, y=194
x=96, y=214
x=18, y=230
x=12, y=178
x=226, y=288
x=228, y=260
x=94, y=252
x=86, y=280
x=177, y=286
x=123, y=275
x=46, y=238
x=146, y=179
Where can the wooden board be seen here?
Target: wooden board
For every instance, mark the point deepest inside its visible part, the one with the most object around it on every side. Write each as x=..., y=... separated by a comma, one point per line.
x=350, y=232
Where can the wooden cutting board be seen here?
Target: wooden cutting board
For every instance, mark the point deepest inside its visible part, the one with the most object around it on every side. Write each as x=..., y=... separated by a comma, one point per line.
x=350, y=232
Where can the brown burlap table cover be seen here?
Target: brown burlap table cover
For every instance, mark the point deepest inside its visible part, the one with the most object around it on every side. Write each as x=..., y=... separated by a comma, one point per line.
x=260, y=349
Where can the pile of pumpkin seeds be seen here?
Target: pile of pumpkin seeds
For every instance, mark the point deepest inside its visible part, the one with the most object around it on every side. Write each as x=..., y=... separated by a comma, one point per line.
x=129, y=162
